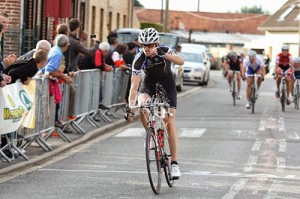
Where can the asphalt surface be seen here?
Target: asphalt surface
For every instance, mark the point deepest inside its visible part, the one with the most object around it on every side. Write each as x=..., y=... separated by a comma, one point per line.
x=224, y=152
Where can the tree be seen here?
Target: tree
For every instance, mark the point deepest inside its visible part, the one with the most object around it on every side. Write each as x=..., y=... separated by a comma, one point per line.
x=253, y=10
x=137, y=3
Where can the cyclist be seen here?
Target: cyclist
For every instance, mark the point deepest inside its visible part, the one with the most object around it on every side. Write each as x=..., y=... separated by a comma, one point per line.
x=234, y=63
x=154, y=61
x=296, y=72
x=252, y=64
x=284, y=61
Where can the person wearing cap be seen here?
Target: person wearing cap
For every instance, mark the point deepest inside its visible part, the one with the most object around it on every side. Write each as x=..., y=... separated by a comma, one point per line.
x=154, y=61
x=284, y=62
x=252, y=64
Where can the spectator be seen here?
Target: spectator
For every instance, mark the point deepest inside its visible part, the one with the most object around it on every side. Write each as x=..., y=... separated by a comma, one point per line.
x=178, y=48
x=76, y=47
x=97, y=60
x=26, y=69
x=138, y=46
x=116, y=57
x=130, y=53
x=42, y=44
x=64, y=29
x=128, y=58
x=8, y=60
x=52, y=68
x=83, y=38
x=113, y=41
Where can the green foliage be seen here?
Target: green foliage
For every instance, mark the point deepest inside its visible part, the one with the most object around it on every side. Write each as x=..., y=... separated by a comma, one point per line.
x=137, y=3
x=157, y=26
x=252, y=10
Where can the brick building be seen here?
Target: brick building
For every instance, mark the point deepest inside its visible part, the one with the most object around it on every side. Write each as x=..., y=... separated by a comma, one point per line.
x=30, y=20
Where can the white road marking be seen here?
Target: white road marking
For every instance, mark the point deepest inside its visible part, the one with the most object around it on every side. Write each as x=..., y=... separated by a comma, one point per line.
x=251, y=161
x=280, y=164
x=191, y=132
x=235, y=189
x=132, y=132
x=273, y=190
x=191, y=173
x=282, y=146
x=262, y=123
x=182, y=132
x=281, y=126
x=256, y=145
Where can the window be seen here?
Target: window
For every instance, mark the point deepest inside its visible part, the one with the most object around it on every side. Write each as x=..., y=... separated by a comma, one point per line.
x=109, y=25
x=286, y=13
x=124, y=21
x=118, y=20
x=101, y=24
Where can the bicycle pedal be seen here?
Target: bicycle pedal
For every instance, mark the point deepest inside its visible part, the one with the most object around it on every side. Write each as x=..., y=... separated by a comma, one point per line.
x=175, y=178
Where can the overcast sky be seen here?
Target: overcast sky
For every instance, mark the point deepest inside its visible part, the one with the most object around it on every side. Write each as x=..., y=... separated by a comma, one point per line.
x=215, y=5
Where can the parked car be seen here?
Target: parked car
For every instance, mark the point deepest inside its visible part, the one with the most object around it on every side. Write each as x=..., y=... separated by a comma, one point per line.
x=126, y=35
x=196, y=64
x=213, y=61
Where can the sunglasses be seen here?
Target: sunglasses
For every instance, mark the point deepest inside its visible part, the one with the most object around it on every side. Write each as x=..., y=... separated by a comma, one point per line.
x=148, y=45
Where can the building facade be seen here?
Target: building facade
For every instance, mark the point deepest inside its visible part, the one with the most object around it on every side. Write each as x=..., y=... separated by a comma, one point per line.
x=33, y=20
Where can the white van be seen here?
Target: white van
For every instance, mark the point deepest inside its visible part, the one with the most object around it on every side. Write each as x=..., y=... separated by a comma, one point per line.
x=196, y=63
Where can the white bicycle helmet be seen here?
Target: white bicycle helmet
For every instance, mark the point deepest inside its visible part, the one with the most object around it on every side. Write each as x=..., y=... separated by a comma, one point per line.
x=148, y=36
x=285, y=47
x=297, y=60
x=252, y=53
x=233, y=54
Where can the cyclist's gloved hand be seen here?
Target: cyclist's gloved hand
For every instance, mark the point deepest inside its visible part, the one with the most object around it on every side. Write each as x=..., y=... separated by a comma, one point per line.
x=128, y=115
x=160, y=52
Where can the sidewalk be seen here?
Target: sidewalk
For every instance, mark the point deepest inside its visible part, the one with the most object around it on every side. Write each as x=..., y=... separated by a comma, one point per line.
x=38, y=155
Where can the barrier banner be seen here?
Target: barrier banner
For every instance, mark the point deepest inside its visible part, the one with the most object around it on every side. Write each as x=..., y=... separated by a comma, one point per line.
x=29, y=120
x=14, y=106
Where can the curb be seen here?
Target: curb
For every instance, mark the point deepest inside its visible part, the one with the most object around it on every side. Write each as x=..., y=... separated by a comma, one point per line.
x=87, y=137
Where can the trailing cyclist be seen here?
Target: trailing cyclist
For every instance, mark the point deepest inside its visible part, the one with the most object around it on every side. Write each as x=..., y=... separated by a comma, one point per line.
x=154, y=61
x=234, y=63
x=284, y=62
x=296, y=72
x=252, y=64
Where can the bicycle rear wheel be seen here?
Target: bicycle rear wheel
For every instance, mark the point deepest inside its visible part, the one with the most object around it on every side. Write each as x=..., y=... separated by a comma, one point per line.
x=253, y=98
x=233, y=92
x=153, y=161
x=167, y=161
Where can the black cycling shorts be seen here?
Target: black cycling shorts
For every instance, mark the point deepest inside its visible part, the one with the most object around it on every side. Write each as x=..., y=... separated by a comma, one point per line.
x=168, y=83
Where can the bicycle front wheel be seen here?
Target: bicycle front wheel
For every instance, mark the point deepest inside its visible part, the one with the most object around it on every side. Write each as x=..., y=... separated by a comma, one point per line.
x=283, y=99
x=153, y=161
x=167, y=160
x=253, y=98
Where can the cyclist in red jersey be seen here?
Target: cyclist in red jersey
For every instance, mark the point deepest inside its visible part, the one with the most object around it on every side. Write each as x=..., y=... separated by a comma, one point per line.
x=284, y=62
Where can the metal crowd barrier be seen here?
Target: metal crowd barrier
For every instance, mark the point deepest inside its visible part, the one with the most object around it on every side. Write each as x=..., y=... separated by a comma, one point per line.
x=115, y=87
x=91, y=88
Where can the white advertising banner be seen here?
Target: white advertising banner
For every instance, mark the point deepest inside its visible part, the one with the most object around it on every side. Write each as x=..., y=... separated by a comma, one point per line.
x=14, y=106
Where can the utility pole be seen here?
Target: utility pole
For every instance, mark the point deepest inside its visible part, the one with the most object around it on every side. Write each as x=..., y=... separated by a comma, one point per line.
x=166, y=24
x=162, y=12
x=198, y=6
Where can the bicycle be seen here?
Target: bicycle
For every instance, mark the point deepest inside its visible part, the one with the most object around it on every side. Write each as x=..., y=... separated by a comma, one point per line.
x=156, y=133
x=297, y=93
x=253, y=96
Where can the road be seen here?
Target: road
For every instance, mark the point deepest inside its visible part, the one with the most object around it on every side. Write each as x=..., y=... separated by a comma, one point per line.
x=224, y=152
